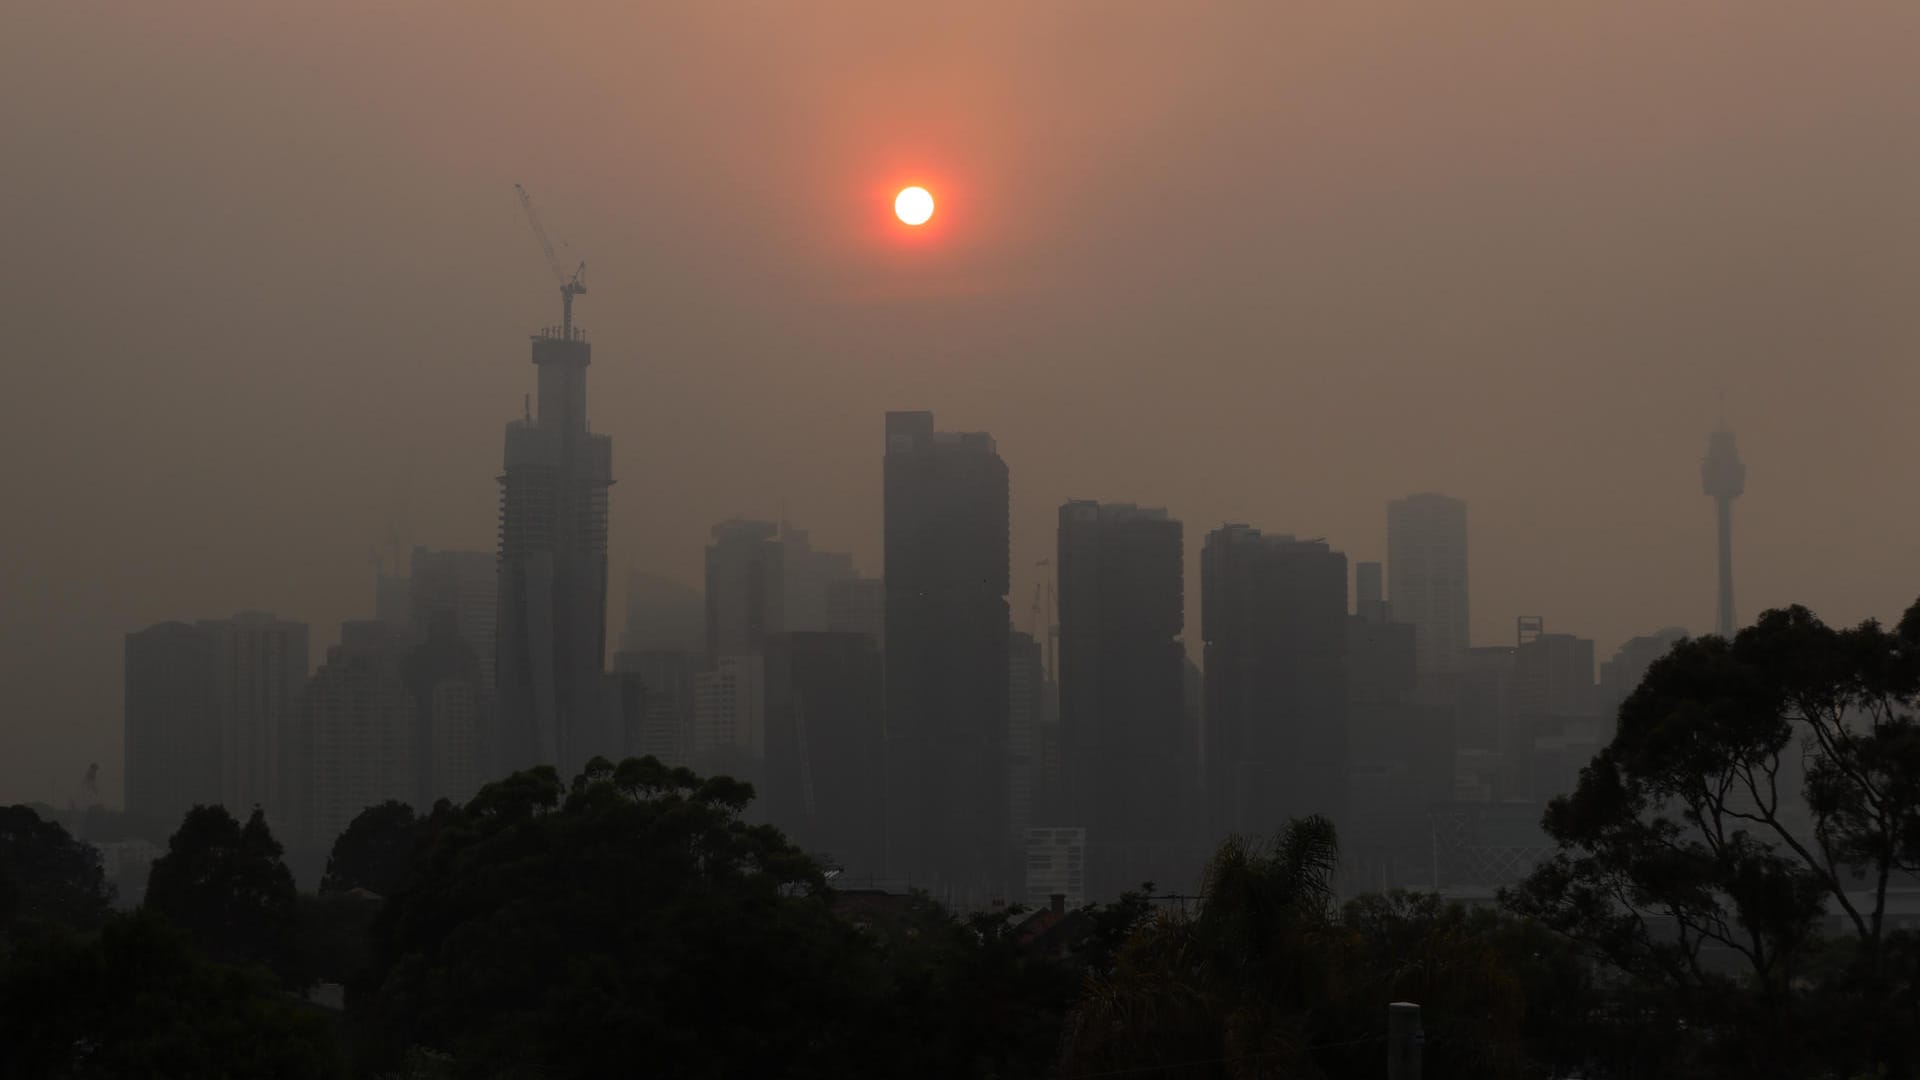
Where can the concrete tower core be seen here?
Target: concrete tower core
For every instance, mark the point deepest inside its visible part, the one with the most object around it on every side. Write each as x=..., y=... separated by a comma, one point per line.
x=1724, y=477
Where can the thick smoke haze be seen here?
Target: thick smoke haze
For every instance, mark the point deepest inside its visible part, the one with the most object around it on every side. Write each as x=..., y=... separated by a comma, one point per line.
x=266, y=291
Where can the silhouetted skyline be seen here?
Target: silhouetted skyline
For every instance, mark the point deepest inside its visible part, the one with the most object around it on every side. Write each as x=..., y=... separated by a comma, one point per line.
x=1262, y=264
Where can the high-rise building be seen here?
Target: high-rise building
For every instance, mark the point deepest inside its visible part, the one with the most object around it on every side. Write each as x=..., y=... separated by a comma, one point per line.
x=1427, y=577
x=729, y=718
x=1556, y=715
x=1724, y=477
x=1400, y=751
x=1369, y=592
x=1056, y=865
x=825, y=736
x=464, y=586
x=172, y=724
x=357, y=732
x=746, y=587
x=259, y=670
x=446, y=684
x=656, y=703
x=808, y=577
x=1553, y=675
x=663, y=614
x=1122, y=609
x=1620, y=676
x=393, y=598
x=552, y=607
x=1273, y=614
x=946, y=575
x=858, y=605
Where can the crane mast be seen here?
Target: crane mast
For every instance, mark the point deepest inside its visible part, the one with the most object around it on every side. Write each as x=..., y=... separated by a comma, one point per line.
x=571, y=285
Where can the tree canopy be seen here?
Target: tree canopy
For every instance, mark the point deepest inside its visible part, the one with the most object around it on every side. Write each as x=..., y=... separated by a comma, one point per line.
x=1757, y=791
x=136, y=1000
x=225, y=885
x=374, y=852
x=47, y=878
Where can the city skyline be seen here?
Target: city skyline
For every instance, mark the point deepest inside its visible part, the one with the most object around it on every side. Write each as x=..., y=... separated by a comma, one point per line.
x=1538, y=325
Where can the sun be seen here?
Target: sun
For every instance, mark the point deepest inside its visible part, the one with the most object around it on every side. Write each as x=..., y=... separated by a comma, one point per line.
x=913, y=205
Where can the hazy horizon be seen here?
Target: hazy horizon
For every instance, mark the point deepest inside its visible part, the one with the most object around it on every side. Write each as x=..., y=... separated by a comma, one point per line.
x=269, y=293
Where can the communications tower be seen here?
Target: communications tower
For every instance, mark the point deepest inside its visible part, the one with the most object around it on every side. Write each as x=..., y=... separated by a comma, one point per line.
x=1724, y=477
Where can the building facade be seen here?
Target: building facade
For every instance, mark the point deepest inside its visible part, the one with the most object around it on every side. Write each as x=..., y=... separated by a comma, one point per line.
x=1122, y=668
x=1427, y=577
x=746, y=587
x=947, y=578
x=259, y=670
x=463, y=586
x=552, y=583
x=729, y=718
x=1055, y=865
x=825, y=740
x=358, y=727
x=1273, y=616
x=172, y=726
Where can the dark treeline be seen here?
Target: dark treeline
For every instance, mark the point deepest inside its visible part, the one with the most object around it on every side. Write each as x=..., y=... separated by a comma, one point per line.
x=1718, y=906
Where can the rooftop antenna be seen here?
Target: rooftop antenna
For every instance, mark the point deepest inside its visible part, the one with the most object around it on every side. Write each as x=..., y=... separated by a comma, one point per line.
x=571, y=285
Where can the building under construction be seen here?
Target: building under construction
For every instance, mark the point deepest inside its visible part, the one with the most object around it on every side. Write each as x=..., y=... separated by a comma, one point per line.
x=551, y=647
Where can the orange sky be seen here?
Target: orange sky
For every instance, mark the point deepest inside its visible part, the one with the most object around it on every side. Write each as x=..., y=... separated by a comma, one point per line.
x=267, y=289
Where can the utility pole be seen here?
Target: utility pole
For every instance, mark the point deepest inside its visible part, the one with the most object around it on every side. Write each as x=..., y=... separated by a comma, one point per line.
x=1404, y=1041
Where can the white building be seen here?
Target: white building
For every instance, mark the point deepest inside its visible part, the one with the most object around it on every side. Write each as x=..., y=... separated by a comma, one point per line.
x=729, y=707
x=1056, y=865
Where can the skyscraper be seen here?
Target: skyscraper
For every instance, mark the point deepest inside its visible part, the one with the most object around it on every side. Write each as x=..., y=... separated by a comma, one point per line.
x=358, y=726
x=259, y=670
x=172, y=726
x=1121, y=689
x=656, y=706
x=1273, y=614
x=746, y=588
x=461, y=584
x=446, y=683
x=808, y=578
x=946, y=575
x=729, y=718
x=1556, y=718
x=1427, y=577
x=1620, y=676
x=663, y=614
x=1724, y=477
x=1369, y=590
x=825, y=735
x=552, y=606
x=858, y=605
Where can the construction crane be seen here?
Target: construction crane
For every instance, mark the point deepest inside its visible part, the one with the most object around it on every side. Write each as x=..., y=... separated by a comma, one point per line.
x=571, y=285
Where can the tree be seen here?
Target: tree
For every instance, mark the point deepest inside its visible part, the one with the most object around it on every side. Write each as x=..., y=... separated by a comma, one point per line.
x=1231, y=991
x=226, y=886
x=47, y=878
x=374, y=852
x=135, y=1000
x=1754, y=787
x=629, y=922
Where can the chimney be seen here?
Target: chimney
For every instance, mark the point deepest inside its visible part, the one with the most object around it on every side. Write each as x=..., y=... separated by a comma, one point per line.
x=1057, y=903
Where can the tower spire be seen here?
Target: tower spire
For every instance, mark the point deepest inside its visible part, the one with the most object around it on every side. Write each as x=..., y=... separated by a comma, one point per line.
x=1724, y=477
